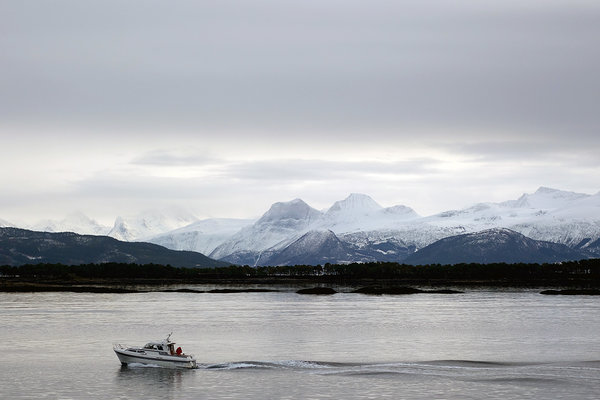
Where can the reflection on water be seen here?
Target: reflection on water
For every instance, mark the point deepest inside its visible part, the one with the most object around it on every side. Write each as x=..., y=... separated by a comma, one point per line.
x=283, y=345
x=138, y=377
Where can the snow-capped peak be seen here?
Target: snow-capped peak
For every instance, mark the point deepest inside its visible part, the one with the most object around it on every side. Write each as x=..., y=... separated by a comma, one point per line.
x=355, y=204
x=279, y=225
x=151, y=223
x=76, y=222
x=546, y=198
x=295, y=209
x=202, y=236
x=401, y=211
x=359, y=212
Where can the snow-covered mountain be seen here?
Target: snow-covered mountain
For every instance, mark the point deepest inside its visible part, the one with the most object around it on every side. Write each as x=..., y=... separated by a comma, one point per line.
x=360, y=213
x=247, y=241
x=279, y=226
x=76, y=222
x=202, y=236
x=150, y=223
x=372, y=232
x=548, y=214
x=286, y=223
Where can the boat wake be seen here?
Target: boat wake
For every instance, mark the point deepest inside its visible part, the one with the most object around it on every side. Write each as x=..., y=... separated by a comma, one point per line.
x=290, y=364
x=451, y=369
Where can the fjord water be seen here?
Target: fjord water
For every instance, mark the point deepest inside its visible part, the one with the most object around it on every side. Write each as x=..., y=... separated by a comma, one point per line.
x=495, y=344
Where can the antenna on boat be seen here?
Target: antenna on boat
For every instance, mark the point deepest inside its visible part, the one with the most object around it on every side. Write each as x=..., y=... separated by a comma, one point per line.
x=168, y=337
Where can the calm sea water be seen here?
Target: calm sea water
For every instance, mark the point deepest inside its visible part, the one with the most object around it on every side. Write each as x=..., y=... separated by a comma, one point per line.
x=482, y=344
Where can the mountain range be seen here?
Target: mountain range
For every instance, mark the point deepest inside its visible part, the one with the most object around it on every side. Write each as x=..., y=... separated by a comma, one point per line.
x=358, y=229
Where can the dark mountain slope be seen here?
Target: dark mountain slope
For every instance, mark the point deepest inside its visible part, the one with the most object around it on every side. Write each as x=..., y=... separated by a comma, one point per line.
x=492, y=246
x=312, y=248
x=20, y=246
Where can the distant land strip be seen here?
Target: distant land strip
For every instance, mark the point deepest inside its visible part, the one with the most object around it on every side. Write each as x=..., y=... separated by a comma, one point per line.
x=573, y=292
x=583, y=274
x=45, y=287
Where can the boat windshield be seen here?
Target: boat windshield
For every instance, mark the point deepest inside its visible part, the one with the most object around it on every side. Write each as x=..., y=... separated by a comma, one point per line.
x=154, y=346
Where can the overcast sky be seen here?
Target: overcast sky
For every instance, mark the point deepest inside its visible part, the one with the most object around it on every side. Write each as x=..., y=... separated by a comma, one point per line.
x=224, y=107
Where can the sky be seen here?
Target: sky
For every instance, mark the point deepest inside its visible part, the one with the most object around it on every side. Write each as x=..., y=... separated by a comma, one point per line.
x=225, y=107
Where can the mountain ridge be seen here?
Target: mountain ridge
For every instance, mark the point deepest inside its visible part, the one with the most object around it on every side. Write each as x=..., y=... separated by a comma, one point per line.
x=492, y=246
x=373, y=232
x=21, y=246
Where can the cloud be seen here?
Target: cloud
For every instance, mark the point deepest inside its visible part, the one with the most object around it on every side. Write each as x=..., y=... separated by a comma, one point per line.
x=170, y=158
x=323, y=170
x=266, y=65
x=256, y=184
x=524, y=150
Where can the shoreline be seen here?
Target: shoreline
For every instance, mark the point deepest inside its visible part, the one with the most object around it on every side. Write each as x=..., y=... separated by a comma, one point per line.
x=271, y=284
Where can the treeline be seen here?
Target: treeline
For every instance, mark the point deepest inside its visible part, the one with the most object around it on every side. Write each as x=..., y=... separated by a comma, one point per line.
x=580, y=271
x=97, y=271
x=588, y=270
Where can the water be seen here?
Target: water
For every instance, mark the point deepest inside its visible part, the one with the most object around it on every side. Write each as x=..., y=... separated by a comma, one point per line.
x=482, y=344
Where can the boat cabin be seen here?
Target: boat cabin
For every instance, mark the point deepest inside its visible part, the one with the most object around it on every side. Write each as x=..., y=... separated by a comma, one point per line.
x=164, y=347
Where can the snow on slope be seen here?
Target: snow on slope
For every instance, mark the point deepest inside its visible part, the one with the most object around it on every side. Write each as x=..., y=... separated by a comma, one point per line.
x=75, y=222
x=360, y=213
x=567, y=224
x=5, y=224
x=201, y=236
x=277, y=227
x=548, y=214
x=150, y=223
x=285, y=223
x=354, y=206
x=546, y=198
x=582, y=208
x=314, y=247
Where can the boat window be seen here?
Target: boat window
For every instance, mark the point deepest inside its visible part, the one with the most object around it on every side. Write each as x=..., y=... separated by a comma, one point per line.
x=160, y=347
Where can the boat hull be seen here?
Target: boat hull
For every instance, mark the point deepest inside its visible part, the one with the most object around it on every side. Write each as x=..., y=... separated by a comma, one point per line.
x=127, y=357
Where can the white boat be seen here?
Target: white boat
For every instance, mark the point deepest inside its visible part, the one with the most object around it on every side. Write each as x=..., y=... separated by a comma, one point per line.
x=161, y=353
